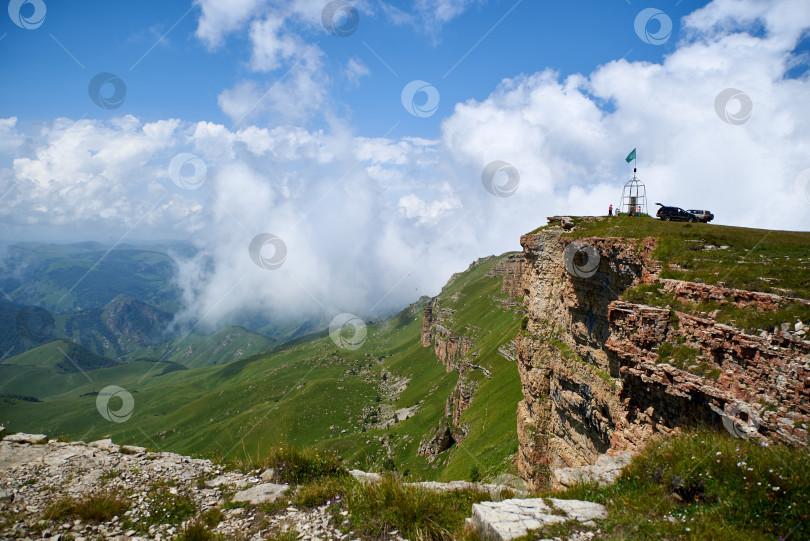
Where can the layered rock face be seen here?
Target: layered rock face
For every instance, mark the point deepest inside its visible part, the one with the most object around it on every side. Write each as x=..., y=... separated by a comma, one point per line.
x=449, y=347
x=511, y=269
x=599, y=374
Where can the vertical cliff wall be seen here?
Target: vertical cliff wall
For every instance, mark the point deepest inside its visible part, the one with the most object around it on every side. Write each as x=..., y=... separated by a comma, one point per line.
x=600, y=374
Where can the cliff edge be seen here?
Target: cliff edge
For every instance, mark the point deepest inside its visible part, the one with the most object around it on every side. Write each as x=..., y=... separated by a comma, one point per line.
x=603, y=372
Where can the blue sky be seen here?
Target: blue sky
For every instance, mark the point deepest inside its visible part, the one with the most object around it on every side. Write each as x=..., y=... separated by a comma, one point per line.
x=181, y=77
x=250, y=120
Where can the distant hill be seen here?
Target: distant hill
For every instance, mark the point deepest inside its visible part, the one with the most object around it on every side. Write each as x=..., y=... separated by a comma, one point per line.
x=119, y=328
x=81, y=280
x=65, y=278
x=61, y=356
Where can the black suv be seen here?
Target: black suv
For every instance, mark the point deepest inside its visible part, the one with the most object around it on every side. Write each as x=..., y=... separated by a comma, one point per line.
x=675, y=214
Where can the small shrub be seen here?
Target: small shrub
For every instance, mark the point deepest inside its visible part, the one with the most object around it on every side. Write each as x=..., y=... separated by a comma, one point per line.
x=298, y=467
x=320, y=493
x=284, y=535
x=91, y=508
x=212, y=517
x=416, y=512
x=475, y=474
x=195, y=531
x=163, y=506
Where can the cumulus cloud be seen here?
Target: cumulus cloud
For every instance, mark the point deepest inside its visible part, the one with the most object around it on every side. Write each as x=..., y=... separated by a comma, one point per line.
x=371, y=223
x=356, y=70
x=427, y=15
x=218, y=19
x=280, y=35
x=85, y=173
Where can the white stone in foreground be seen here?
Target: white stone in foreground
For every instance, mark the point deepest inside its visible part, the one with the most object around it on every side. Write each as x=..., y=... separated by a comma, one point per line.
x=513, y=518
x=266, y=492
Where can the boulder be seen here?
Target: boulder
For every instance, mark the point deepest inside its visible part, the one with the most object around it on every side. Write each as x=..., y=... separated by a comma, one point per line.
x=105, y=445
x=605, y=471
x=513, y=518
x=264, y=493
x=365, y=477
x=26, y=438
x=227, y=480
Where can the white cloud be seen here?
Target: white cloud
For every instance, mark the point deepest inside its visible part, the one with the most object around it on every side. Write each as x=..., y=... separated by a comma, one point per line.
x=272, y=46
x=10, y=139
x=356, y=70
x=218, y=18
x=429, y=212
x=291, y=99
x=428, y=16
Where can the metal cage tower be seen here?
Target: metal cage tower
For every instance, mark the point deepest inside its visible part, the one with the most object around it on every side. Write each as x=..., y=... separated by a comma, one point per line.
x=634, y=197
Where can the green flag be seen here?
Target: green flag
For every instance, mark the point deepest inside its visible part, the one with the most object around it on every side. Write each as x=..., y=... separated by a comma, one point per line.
x=631, y=156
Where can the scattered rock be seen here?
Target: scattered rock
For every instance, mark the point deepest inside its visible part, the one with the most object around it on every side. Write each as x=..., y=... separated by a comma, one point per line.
x=513, y=518
x=28, y=471
x=268, y=475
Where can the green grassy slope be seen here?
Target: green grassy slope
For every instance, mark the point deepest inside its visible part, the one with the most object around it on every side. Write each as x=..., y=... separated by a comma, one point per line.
x=782, y=257
x=305, y=393
x=761, y=260
x=195, y=350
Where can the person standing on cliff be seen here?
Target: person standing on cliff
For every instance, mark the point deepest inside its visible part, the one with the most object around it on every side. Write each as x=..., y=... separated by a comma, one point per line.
x=610, y=210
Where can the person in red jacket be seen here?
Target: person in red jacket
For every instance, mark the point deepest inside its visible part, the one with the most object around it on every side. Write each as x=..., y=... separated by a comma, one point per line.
x=610, y=210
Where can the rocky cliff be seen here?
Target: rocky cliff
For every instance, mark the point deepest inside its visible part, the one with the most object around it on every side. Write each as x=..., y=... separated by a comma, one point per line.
x=457, y=342
x=602, y=375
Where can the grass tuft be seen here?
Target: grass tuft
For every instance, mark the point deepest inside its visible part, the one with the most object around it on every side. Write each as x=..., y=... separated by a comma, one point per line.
x=417, y=513
x=195, y=530
x=297, y=467
x=91, y=508
x=321, y=492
